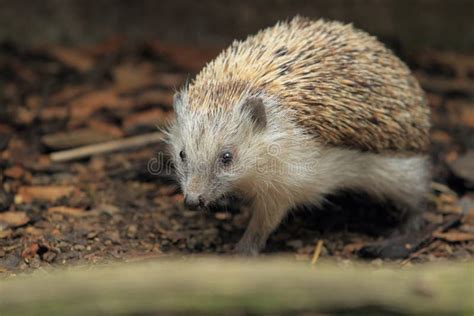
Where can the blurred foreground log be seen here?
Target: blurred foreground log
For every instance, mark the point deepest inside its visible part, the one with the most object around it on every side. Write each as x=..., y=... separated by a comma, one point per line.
x=219, y=286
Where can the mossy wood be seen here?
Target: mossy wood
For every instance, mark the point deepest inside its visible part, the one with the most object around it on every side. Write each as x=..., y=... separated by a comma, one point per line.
x=216, y=286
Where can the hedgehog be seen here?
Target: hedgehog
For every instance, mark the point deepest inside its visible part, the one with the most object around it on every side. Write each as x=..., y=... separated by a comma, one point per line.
x=294, y=113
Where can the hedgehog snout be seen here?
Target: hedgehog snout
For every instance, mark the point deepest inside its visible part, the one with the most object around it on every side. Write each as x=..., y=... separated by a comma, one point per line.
x=194, y=201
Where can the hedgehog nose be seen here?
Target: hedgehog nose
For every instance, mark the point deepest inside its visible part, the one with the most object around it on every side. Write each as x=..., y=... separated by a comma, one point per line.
x=194, y=202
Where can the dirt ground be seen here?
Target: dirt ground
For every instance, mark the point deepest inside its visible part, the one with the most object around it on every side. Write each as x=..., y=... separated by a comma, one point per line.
x=111, y=207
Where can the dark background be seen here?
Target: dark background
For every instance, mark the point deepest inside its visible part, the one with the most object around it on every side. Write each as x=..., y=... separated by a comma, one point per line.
x=414, y=24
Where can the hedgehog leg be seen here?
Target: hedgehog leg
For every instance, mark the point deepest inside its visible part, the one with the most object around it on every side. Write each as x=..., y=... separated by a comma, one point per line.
x=266, y=216
x=403, y=181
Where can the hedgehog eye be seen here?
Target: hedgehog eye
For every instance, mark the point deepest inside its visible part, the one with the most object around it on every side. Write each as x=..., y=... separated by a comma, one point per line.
x=226, y=158
x=182, y=155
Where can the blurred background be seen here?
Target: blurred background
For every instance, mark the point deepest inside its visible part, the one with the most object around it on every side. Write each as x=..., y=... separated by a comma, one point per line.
x=413, y=24
x=77, y=75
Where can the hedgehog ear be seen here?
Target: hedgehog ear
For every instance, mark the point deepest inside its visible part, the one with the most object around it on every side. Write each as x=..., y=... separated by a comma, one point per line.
x=256, y=109
x=178, y=103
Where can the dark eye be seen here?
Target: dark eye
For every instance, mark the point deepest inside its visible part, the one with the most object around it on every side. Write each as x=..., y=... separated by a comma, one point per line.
x=226, y=158
x=182, y=155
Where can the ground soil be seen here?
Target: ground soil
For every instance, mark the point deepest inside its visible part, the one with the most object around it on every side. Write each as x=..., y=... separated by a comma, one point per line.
x=110, y=207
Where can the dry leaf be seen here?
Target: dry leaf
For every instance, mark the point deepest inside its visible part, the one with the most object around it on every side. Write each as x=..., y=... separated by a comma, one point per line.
x=184, y=56
x=30, y=251
x=82, y=108
x=439, y=136
x=73, y=58
x=13, y=219
x=152, y=118
x=155, y=97
x=70, y=211
x=463, y=167
x=28, y=194
x=454, y=236
x=76, y=138
x=53, y=113
x=106, y=128
x=129, y=77
x=15, y=172
x=171, y=80
x=5, y=233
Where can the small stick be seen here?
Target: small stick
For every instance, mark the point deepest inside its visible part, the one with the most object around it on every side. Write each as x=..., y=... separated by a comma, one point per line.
x=106, y=147
x=317, y=252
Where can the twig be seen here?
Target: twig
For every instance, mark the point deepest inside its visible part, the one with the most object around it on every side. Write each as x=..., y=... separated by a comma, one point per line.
x=106, y=147
x=317, y=252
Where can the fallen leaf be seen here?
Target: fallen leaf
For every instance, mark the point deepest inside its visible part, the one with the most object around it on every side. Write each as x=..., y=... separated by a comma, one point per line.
x=353, y=247
x=13, y=219
x=106, y=128
x=5, y=233
x=28, y=194
x=30, y=251
x=167, y=190
x=222, y=216
x=439, y=136
x=73, y=58
x=171, y=80
x=15, y=172
x=454, y=236
x=108, y=209
x=30, y=230
x=70, y=211
x=460, y=111
x=5, y=200
x=24, y=116
x=76, y=138
x=185, y=56
x=155, y=97
x=67, y=94
x=18, y=150
x=463, y=167
x=83, y=107
x=54, y=113
x=129, y=77
x=467, y=204
x=108, y=46
x=150, y=118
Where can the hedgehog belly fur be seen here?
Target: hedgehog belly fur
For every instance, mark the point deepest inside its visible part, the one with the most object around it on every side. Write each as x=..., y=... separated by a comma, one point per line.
x=402, y=180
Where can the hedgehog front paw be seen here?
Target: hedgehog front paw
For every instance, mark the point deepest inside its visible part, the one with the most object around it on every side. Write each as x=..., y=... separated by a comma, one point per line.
x=243, y=248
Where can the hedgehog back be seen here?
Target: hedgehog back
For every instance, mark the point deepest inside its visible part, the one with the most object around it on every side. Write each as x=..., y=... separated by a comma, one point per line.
x=344, y=87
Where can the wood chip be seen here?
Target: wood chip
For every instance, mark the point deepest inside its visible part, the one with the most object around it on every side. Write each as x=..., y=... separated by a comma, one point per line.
x=15, y=172
x=185, y=56
x=53, y=113
x=13, y=219
x=130, y=77
x=5, y=233
x=82, y=108
x=73, y=58
x=76, y=138
x=151, y=118
x=454, y=236
x=30, y=251
x=463, y=167
x=28, y=194
x=70, y=211
x=106, y=128
x=155, y=97
x=467, y=204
